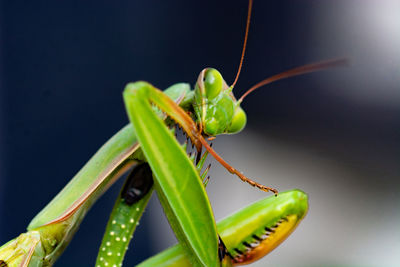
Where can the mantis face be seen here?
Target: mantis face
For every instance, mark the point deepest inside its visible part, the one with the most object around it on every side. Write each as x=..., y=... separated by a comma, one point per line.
x=216, y=108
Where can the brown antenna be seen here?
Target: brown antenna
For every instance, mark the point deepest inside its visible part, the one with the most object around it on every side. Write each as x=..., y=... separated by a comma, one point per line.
x=245, y=42
x=297, y=71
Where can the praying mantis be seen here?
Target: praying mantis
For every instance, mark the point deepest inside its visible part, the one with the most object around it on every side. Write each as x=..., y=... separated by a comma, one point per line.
x=176, y=179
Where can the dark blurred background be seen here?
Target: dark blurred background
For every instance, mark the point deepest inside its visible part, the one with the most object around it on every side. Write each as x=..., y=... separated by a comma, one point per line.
x=334, y=134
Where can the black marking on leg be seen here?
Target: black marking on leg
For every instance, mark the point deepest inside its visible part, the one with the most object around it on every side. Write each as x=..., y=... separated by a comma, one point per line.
x=238, y=251
x=247, y=244
x=3, y=263
x=138, y=183
x=256, y=238
x=269, y=230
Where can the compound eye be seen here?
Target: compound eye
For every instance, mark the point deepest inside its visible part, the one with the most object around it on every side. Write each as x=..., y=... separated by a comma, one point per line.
x=211, y=127
x=212, y=83
x=238, y=121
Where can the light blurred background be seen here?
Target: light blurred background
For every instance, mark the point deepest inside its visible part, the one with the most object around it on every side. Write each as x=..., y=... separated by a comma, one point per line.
x=333, y=134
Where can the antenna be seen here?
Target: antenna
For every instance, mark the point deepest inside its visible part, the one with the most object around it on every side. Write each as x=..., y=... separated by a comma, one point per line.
x=297, y=71
x=244, y=43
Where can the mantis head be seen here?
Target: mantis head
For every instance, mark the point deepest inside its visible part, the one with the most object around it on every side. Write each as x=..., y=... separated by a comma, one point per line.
x=216, y=108
x=218, y=111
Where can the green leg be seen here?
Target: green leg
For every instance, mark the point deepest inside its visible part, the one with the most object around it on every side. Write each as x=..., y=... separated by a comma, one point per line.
x=250, y=233
x=176, y=179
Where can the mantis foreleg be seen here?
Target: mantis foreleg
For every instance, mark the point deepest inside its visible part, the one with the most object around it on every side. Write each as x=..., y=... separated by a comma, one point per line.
x=250, y=233
x=177, y=181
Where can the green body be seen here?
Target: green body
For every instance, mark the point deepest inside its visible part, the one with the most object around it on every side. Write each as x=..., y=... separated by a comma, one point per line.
x=209, y=110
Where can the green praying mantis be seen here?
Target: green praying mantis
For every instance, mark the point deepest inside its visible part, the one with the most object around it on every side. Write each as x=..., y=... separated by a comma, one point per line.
x=162, y=164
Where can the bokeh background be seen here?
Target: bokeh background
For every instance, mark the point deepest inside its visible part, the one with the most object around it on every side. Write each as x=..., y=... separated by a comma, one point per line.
x=333, y=134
